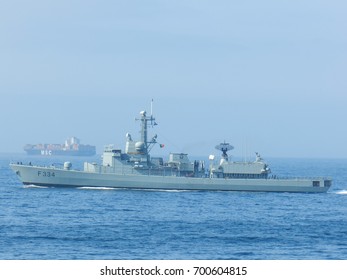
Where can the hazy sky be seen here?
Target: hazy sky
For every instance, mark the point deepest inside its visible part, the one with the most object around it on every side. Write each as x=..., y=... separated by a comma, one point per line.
x=266, y=76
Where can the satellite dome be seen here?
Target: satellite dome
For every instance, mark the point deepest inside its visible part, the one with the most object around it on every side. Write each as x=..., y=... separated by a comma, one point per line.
x=67, y=165
x=139, y=146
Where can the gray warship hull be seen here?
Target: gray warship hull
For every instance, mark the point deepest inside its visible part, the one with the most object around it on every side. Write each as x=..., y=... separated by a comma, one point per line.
x=134, y=168
x=56, y=177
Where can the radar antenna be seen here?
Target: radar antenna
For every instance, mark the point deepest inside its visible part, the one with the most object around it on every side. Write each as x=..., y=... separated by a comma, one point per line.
x=145, y=120
x=224, y=147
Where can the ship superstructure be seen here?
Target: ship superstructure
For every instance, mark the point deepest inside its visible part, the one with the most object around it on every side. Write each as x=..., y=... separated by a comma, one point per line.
x=134, y=168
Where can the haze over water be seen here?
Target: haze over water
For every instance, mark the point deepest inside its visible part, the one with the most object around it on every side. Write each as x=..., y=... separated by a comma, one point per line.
x=265, y=76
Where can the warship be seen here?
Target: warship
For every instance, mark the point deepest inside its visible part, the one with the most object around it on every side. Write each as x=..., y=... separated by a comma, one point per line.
x=71, y=147
x=135, y=168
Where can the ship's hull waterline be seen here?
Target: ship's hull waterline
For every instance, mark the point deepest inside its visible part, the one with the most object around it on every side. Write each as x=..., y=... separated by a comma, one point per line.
x=54, y=177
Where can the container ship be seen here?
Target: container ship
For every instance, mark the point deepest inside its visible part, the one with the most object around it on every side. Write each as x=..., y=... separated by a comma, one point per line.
x=71, y=147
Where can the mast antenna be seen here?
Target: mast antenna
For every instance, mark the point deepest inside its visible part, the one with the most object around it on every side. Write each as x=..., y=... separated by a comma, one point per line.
x=152, y=107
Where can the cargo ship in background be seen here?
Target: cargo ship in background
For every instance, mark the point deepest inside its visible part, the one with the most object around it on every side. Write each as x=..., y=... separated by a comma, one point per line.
x=71, y=147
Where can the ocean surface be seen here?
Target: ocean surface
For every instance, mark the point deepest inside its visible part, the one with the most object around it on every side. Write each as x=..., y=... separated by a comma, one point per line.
x=86, y=223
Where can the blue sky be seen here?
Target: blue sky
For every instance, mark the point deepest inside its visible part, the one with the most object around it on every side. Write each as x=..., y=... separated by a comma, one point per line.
x=266, y=76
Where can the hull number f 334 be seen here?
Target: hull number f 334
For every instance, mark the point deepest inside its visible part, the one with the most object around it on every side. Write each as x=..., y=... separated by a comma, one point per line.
x=45, y=174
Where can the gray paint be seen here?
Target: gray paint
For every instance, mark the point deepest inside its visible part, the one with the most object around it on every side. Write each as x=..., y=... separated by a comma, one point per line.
x=135, y=169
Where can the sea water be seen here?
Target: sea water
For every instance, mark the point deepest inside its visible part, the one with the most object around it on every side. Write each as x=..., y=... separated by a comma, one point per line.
x=88, y=223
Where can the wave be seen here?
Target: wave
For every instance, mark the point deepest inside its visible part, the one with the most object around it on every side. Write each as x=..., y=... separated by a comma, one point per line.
x=96, y=188
x=341, y=192
x=170, y=190
x=32, y=186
